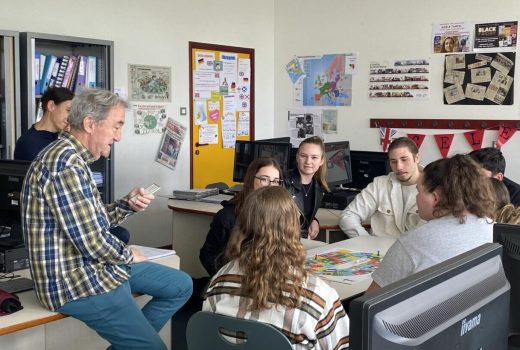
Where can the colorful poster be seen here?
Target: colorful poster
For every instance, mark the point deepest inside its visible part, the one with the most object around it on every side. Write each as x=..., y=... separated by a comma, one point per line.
x=452, y=37
x=343, y=265
x=326, y=81
x=149, y=83
x=497, y=35
x=149, y=118
x=171, y=143
x=400, y=79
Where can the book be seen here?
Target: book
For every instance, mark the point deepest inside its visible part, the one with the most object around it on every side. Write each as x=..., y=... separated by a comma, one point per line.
x=154, y=253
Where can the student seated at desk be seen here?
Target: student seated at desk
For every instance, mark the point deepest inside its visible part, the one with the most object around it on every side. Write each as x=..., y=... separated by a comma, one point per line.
x=308, y=182
x=266, y=281
x=78, y=267
x=456, y=199
x=261, y=172
x=389, y=201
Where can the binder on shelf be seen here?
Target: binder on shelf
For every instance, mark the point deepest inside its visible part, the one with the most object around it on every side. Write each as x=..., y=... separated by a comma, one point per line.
x=36, y=72
x=91, y=72
x=54, y=73
x=47, y=71
x=61, y=71
x=68, y=72
x=81, y=75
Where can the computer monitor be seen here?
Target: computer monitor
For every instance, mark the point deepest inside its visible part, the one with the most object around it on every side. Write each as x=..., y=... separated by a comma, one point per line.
x=366, y=166
x=247, y=151
x=509, y=237
x=461, y=303
x=337, y=161
x=12, y=174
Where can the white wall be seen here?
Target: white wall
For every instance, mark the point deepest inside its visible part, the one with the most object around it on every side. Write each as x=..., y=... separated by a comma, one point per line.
x=377, y=30
x=157, y=32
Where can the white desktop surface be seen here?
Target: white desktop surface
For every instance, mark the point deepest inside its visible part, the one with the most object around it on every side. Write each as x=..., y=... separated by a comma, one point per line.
x=35, y=327
x=368, y=244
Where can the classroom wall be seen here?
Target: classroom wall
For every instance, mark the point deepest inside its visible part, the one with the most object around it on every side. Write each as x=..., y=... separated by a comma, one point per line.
x=157, y=32
x=379, y=30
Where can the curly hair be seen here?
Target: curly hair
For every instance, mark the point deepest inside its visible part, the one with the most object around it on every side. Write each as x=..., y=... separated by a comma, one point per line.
x=321, y=174
x=501, y=193
x=249, y=179
x=509, y=214
x=462, y=185
x=266, y=242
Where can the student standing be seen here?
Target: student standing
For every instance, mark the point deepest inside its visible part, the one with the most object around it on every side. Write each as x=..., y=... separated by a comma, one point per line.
x=260, y=173
x=78, y=267
x=266, y=281
x=389, y=201
x=308, y=182
x=457, y=200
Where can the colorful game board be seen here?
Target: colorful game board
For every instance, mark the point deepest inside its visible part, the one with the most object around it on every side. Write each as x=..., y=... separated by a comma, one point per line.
x=343, y=265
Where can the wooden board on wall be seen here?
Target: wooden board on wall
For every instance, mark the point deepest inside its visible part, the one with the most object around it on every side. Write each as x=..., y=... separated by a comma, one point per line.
x=210, y=163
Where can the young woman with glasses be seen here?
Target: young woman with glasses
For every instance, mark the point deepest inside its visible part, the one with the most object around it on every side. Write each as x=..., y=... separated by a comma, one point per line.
x=261, y=172
x=308, y=183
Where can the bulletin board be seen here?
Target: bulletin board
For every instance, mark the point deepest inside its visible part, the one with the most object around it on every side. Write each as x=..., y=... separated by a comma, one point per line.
x=222, y=109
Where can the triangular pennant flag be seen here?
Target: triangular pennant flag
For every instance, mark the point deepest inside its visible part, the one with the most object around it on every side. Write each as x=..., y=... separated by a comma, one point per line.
x=475, y=138
x=504, y=134
x=444, y=143
x=417, y=138
x=387, y=135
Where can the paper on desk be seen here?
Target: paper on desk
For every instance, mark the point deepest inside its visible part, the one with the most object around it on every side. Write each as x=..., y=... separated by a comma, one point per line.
x=343, y=265
x=154, y=253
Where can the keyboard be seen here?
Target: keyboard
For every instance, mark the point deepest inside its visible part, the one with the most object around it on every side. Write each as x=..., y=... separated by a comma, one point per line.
x=16, y=285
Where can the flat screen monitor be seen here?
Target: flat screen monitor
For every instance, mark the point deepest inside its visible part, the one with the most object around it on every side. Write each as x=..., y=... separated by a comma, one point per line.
x=247, y=151
x=461, y=303
x=366, y=166
x=509, y=237
x=12, y=174
x=337, y=161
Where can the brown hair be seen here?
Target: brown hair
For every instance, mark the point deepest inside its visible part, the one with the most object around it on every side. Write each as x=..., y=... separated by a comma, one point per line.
x=249, y=179
x=404, y=142
x=509, y=214
x=463, y=187
x=501, y=193
x=266, y=242
x=321, y=174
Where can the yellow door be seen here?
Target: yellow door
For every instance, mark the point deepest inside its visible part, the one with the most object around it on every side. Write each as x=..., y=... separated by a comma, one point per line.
x=212, y=163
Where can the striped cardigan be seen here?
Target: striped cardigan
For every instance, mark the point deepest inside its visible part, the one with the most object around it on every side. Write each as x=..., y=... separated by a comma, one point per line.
x=318, y=323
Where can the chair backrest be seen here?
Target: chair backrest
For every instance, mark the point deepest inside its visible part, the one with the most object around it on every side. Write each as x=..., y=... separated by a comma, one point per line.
x=204, y=331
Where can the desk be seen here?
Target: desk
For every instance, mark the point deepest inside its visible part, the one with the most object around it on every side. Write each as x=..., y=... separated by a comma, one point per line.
x=35, y=327
x=190, y=225
x=368, y=244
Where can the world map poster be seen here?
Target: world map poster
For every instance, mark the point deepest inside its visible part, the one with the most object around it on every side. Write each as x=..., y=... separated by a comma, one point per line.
x=343, y=265
x=328, y=80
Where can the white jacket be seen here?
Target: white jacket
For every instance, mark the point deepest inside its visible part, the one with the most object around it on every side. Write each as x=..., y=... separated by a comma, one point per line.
x=381, y=202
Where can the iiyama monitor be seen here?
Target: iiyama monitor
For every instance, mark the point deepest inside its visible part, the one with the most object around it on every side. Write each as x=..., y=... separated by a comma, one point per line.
x=461, y=303
x=247, y=151
x=366, y=166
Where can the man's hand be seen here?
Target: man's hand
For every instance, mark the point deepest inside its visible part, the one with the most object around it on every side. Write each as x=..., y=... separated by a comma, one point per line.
x=139, y=200
x=314, y=229
x=138, y=256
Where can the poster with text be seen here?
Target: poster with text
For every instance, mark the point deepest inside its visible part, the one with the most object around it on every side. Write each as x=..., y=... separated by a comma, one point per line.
x=149, y=83
x=497, y=35
x=400, y=79
x=452, y=37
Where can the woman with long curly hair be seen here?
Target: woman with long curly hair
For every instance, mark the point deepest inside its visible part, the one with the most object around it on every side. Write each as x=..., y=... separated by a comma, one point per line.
x=265, y=279
x=456, y=198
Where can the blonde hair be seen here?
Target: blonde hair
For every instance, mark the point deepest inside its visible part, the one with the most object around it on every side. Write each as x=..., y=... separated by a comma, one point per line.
x=266, y=243
x=510, y=214
x=321, y=174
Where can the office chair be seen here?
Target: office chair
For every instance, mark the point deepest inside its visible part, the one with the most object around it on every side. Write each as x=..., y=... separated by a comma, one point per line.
x=204, y=332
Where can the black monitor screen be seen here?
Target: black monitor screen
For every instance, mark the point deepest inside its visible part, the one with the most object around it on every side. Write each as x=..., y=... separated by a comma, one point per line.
x=337, y=161
x=247, y=151
x=509, y=237
x=12, y=174
x=366, y=166
x=461, y=303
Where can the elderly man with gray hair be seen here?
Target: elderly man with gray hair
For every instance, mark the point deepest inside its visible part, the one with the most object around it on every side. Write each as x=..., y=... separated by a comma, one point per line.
x=78, y=267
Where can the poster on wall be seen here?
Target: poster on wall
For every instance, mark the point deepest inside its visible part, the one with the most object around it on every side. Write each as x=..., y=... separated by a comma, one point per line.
x=171, y=143
x=398, y=80
x=324, y=80
x=149, y=83
x=149, y=118
x=303, y=123
x=479, y=78
x=497, y=35
x=452, y=37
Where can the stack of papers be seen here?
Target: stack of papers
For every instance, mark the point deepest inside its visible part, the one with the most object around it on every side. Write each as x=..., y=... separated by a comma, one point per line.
x=218, y=198
x=154, y=253
x=195, y=193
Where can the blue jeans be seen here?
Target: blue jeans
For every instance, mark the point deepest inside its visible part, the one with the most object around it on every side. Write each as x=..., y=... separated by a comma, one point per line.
x=116, y=316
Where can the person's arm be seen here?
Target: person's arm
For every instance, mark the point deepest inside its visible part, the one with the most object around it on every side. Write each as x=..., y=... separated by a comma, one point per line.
x=135, y=201
x=81, y=216
x=216, y=240
x=360, y=209
x=314, y=229
x=333, y=328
